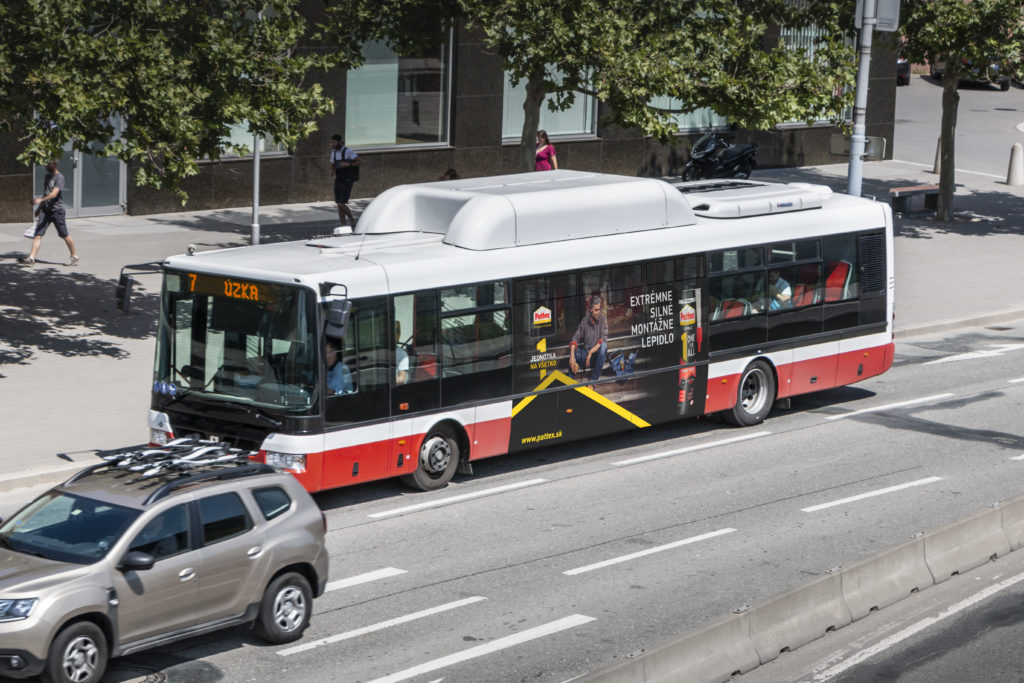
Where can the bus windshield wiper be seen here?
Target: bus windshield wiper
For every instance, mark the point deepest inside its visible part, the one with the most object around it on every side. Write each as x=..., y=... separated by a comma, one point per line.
x=273, y=422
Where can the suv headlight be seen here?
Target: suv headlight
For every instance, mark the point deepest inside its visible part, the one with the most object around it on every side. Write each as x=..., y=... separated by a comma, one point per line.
x=13, y=610
x=287, y=461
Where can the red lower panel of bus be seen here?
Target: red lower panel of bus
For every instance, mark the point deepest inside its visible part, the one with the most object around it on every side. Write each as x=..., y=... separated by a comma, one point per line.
x=803, y=377
x=391, y=457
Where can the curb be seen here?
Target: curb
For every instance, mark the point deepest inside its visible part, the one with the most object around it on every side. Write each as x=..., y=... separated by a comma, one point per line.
x=715, y=653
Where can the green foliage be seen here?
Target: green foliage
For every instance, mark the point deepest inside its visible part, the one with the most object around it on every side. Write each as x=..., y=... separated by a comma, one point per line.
x=179, y=72
x=706, y=53
x=955, y=31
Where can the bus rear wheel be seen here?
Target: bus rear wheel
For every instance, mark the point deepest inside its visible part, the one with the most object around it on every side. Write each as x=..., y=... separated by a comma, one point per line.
x=438, y=459
x=754, y=396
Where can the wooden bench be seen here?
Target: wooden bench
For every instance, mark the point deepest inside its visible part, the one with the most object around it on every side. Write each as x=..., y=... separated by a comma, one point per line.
x=900, y=197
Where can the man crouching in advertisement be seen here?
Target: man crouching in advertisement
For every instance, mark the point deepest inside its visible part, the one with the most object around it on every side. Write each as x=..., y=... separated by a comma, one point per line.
x=589, y=346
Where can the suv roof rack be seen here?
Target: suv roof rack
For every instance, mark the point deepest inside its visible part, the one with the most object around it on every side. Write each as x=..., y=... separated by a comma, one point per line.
x=181, y=462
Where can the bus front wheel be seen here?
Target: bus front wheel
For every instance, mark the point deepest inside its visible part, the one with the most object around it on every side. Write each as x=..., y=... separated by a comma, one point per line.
x=755, y=395
x=437, y=461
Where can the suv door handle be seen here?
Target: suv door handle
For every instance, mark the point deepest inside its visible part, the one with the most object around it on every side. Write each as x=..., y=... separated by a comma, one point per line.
x=255, y=552
x=187, y=574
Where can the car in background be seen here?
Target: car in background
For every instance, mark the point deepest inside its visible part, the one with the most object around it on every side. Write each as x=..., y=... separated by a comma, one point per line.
x=975, y=75
x=152, y=546
x=902, y=71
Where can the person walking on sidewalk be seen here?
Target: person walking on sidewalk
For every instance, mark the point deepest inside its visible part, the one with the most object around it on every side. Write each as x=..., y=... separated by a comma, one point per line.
x=344, y=168
x=50, y=209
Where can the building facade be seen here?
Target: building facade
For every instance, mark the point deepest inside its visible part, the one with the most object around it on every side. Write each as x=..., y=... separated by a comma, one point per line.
x=410, y=120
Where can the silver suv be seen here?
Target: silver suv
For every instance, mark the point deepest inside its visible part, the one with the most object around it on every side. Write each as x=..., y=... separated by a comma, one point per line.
x=152, y=546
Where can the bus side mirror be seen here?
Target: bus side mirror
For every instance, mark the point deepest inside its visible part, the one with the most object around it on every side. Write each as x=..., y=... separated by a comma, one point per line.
x=337, y=318
x=124, y=292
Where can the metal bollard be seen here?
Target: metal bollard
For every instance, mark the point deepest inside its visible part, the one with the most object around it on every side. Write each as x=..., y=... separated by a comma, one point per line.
x=1015, y=174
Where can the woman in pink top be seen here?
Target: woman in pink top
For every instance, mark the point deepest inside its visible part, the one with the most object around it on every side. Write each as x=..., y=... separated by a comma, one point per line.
x=546, y=159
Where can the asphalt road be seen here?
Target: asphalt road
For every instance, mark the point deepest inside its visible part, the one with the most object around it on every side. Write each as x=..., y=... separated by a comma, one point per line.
x=987, y=122
x=547, y=565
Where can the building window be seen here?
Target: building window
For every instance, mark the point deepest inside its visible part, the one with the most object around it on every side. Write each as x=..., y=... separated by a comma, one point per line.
x=393, y=101
x=698, y=119
x=239, y=134
x=579, y=119
x=805, y=38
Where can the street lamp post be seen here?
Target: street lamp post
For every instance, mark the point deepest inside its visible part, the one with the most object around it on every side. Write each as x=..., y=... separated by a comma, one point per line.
x=255, y=227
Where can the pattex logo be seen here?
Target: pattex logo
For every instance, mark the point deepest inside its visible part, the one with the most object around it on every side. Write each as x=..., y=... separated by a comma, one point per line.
x=542, y=316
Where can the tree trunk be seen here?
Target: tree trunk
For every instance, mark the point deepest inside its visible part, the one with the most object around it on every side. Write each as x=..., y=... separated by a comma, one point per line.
x=531, y=120
x=947, y=156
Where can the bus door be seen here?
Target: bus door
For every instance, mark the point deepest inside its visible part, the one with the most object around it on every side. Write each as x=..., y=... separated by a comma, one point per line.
x=415, y=376
x=357, y=378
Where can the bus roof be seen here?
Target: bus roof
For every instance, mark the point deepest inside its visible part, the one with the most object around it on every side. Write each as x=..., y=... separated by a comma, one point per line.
x=443, y=234
x=527, y=208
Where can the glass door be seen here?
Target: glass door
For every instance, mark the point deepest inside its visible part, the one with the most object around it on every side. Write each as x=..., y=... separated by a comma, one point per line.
x=93, y=185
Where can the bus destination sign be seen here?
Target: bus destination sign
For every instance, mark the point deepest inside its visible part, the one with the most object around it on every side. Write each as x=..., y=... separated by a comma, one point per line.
x=215, y=285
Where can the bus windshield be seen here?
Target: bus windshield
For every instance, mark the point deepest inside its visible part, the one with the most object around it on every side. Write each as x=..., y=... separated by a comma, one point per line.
x=239, y=340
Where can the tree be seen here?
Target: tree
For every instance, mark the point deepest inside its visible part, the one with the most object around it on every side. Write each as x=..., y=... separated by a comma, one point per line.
x=964, y=34
x=180, y=73
x=705, y=53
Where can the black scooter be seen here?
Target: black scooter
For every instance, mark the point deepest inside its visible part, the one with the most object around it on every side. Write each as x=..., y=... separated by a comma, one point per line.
x=713, y=157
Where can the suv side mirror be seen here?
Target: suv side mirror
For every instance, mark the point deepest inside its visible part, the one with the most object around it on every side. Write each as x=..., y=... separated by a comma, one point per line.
x=136, y=561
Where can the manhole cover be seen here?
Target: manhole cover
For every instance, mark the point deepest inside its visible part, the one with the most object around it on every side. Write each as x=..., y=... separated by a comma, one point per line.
x=133, y=674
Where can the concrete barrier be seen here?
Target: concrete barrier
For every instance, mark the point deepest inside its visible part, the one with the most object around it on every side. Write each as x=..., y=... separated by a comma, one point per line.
x=1013, y=522
x=711, y=655
x=786, y=622
x=886, y=578
x=961, y=546
x=798, y=617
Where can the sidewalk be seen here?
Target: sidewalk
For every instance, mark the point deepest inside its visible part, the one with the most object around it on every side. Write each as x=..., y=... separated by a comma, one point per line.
x=75, y=373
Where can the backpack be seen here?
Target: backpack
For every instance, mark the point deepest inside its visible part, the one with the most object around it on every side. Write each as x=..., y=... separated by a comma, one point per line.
x=350, y=173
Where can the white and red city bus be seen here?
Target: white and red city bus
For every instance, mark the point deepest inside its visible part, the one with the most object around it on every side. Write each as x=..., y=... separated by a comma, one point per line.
x=439, y=332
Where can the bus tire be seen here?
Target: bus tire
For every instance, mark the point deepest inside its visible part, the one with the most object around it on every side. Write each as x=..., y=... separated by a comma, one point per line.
x=437, y=461
x=754, y=395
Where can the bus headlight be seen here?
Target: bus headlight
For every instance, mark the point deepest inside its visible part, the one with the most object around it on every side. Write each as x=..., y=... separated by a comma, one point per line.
x=13, y=610
x=287, y=461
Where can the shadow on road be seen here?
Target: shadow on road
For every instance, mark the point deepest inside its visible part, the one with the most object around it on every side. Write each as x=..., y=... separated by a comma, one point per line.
x=67, y=312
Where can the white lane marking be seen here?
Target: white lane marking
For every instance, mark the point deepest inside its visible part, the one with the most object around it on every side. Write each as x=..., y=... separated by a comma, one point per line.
x=1015, y=381
x=993, y=350
x=649, y=551
x=380, y=626
x=1017, y=457
x=690, y=449
x=888, y=406
x=958, y=170
x=364, y=578
x=488, y=648
x=871, y=494
x=916, y=628
x=456, y=499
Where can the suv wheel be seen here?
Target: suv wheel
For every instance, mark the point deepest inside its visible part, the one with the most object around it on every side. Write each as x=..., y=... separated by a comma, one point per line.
x=285, y=609
x=78, y=655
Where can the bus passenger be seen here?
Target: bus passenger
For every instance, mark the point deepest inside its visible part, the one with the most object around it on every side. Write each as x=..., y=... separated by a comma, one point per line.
x=780, y=294
x=589, y=346
x=339, y=378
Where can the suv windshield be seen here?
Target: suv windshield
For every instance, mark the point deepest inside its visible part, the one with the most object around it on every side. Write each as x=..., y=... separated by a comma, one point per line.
x=67, y=528
x=245, y=341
